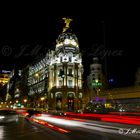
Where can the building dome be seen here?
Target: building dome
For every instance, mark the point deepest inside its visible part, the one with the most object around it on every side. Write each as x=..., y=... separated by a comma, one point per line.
x=67, y=39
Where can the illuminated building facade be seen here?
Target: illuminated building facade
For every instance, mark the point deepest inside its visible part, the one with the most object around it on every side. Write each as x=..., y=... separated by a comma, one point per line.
x=65, y=72
x=4, y=77
x=125, y=97
x=37, y=80
x=13, y=85
x=95, y=78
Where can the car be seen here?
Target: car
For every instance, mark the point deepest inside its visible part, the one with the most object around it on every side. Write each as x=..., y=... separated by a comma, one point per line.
x=32, y=112
x=8, y=115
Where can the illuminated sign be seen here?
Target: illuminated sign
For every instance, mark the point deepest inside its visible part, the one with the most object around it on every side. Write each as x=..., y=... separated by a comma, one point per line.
x=70, y=48
x=6, y=71
x=96, y=84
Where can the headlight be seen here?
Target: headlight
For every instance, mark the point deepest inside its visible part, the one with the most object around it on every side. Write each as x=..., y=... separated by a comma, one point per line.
x=2, y=117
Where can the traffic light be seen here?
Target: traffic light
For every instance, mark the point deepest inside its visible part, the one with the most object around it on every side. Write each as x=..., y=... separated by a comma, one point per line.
x=96, y=83
x=18, y=105
x=61, y=74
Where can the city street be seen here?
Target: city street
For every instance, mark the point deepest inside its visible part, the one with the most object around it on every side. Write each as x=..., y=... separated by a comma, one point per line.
x=78, y=130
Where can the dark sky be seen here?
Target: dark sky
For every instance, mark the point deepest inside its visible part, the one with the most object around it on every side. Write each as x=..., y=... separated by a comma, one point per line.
x=25, y=37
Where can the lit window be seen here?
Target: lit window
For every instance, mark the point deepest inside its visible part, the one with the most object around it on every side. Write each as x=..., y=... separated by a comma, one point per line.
x=70, y=59
x=60, y=83
x=61, y=59
x=80, y=95
x=51, y=95
x=70, y=83
x=70, y=71
x=67, y=41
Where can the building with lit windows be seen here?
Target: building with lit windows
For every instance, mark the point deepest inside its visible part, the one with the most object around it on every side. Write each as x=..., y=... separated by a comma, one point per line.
x=95, y=75
x=13, y=85
x=38, y=81
x=95, y=79
x=127, y=98
x=65, y=72
x=4, y=77
x=55, y=81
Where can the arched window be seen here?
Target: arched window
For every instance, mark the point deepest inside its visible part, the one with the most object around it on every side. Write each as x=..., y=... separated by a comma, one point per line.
x=80, y=95
x=58, y=95
x=51, y=95
x=70, y=94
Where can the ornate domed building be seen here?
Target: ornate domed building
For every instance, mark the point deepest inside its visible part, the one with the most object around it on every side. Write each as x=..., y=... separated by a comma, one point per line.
x=65, y=72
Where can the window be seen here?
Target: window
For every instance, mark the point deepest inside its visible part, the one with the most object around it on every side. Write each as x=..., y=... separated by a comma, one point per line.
x=70, y=59
x=61, y=73
x=93, y=79
x=61, y=59
x=80, y=95
x=60, y=83
x=70, y=71
x=51, y=95
x=70, y=83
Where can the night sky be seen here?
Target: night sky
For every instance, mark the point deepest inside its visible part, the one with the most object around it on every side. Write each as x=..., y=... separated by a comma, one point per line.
x=25, y=37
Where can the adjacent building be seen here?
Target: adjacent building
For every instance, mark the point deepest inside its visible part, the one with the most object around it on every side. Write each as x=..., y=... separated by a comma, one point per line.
x=14, y=84
x=38, y=82
x=95, y=79
x=4, y=77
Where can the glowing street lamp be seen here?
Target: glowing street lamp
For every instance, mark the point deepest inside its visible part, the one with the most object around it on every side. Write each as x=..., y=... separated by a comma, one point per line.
x=25, y=100
x=42, y=98
x=36, y=75
x=96, y=81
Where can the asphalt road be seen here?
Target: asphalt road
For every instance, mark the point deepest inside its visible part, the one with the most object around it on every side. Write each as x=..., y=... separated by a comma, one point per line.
x=90, y=130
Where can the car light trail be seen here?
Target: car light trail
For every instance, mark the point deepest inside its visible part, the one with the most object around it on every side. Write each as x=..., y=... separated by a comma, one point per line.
x=46, y=124
x=57, y=120
x=80, y=124
x=126, y=121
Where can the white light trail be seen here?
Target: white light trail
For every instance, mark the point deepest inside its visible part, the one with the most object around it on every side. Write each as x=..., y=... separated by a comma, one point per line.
x=57, y=120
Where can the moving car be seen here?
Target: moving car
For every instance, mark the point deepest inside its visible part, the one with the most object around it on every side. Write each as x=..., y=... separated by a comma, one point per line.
x=7, y=115
x=32, y=112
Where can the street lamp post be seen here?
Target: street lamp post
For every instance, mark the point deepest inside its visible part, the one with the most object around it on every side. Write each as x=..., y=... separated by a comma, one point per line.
x=25, y=102
x=96, y=85
x=42, y=101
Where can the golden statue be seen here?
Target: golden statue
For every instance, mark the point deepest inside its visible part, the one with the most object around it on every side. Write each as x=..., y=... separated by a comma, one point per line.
x=67, y=22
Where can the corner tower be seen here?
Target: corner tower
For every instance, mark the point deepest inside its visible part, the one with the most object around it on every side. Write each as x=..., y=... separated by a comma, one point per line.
x=66, y=72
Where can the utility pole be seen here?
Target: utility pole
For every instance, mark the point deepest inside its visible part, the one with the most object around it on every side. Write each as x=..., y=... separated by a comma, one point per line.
x=105, y=57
